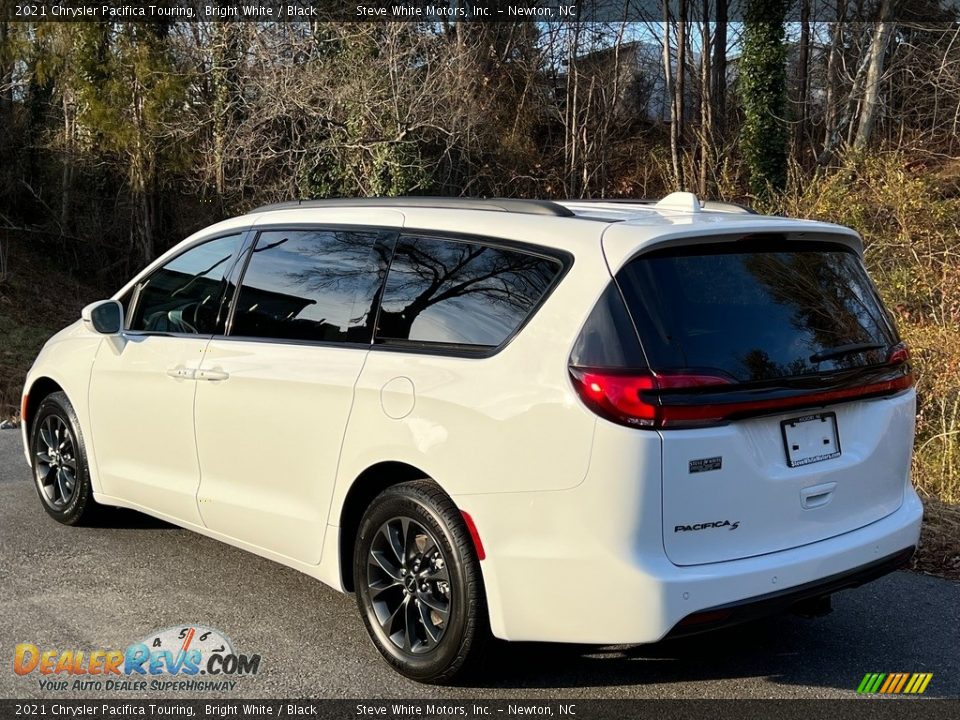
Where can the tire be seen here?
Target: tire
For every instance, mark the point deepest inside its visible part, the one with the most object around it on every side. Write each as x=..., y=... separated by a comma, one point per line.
x=427, y=631
x=59, y=460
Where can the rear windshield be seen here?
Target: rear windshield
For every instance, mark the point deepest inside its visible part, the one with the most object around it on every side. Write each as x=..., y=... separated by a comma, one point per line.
x=756, y=312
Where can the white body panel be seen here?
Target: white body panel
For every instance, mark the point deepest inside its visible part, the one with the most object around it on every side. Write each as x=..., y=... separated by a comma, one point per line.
x=265, y=456
x=282, y=411
x=141, y=412
x=776, y=506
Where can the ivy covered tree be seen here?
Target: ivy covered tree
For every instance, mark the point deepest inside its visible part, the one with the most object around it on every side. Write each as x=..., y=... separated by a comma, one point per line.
x=763, y=90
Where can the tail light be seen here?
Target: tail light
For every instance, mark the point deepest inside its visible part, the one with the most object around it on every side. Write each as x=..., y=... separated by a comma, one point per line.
x=632, y=399
x=669, y=400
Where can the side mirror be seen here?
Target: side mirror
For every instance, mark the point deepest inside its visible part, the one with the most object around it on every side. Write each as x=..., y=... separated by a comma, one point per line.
x=104, y=317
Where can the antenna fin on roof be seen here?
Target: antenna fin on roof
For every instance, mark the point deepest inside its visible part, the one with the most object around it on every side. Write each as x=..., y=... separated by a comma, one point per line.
x=682, y=201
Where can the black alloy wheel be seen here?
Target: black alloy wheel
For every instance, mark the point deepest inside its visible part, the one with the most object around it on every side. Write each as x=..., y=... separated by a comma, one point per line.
x=59, y=459
x=418, y=584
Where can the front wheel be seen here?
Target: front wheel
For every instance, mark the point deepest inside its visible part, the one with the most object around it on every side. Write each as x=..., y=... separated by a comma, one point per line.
x=418, y=584
x=59, y=461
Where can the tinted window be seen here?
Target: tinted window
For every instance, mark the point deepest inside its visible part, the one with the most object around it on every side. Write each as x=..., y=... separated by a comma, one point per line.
x=608, y=338
x=460, y=293
x=315, y=285
x=757, y=313
x=184, y=295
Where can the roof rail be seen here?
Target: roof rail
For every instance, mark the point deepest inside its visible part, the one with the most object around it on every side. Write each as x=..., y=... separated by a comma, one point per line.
x=714, y=205
x=510, y=205
x=720, y=206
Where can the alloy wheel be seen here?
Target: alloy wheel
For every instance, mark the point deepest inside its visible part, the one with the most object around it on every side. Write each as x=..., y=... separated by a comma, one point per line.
x=56, y=461
x=409, y=585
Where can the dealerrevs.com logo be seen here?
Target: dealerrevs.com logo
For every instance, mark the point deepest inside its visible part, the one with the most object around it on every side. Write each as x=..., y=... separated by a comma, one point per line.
x=190, y=658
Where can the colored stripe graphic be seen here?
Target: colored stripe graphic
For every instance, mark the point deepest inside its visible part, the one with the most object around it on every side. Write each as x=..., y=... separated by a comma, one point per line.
x=894, y=683
x=871, y=682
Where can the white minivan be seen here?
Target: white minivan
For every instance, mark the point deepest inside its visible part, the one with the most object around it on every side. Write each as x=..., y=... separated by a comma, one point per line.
x=584, y=422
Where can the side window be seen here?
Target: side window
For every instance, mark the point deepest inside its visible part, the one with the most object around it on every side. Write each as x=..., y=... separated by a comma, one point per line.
x=315, y=285
x=184, y=295
x=460, y=293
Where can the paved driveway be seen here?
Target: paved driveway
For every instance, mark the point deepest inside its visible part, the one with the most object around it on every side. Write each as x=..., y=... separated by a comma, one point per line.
x=90, y=588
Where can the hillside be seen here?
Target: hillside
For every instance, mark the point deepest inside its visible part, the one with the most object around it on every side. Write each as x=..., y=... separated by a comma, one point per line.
x=37, y=298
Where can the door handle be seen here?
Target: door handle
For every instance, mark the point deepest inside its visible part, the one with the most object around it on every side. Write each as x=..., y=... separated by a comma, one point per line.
x=179, y=372
x=212, y=375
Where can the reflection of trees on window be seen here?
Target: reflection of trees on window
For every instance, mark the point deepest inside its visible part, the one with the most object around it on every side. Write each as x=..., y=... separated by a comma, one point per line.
x=325, y=285
x=184, y=295
x=461, y=293
x=829, y=300
x=349, y=265
x=760, y=366
x=313, y=285
x=753, y=311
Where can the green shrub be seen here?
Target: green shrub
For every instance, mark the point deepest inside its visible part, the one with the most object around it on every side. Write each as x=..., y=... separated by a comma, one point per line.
x=909, y=227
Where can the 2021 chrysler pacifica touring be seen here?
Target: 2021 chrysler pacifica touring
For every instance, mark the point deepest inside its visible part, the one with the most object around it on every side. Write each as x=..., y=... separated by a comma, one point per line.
x=445, y=406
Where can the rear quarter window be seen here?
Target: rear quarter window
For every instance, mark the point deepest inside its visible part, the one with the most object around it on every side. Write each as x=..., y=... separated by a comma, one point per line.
x=463, y=294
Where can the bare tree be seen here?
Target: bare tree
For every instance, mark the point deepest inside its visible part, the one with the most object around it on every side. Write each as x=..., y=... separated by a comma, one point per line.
x=875, y=63
x=672, y=92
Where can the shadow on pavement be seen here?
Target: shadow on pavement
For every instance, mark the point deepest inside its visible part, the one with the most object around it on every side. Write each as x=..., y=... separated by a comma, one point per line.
x=866, y=633
x=123, y=519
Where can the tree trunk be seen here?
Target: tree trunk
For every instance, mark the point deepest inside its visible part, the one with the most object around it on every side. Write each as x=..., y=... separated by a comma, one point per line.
x=6, y=80
x=763, y=79
x=706, y=103
x=831, y=131
x=681, y=85
x=572, y=112
x=226, y=53
x=871, y=98
x=670, y=91
x=719, y=69
x=66, y=181
x=803, y=75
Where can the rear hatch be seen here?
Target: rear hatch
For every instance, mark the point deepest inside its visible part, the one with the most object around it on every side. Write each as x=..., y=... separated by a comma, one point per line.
x=776, y=380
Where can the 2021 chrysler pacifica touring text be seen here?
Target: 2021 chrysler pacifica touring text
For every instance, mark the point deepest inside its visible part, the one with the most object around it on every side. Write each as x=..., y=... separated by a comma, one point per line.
x=446, y=405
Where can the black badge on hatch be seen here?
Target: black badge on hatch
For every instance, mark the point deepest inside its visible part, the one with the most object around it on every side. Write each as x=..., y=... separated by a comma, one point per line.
x=705, y=464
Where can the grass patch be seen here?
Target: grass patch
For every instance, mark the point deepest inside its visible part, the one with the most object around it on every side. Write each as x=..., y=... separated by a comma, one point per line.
x=939, y=550
x=37, y=299
x=21, y=341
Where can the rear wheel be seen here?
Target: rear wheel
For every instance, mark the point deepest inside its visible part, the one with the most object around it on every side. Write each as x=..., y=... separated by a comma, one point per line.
x=59, y=461
x=418, y=584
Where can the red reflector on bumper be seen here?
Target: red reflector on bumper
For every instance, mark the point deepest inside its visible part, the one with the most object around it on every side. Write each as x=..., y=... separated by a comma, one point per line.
x=474, y=535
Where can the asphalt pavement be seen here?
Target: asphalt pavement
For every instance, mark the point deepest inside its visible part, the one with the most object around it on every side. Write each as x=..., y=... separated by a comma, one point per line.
x=105, y=587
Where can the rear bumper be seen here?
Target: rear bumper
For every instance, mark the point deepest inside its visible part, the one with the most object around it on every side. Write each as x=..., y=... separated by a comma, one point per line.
x=780, y=601
x=574, y=574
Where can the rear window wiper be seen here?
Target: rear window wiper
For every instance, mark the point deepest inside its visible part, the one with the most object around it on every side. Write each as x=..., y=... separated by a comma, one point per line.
x=841, y=350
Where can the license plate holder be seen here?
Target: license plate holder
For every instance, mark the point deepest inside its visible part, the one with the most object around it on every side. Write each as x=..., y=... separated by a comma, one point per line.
x=810, y=439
